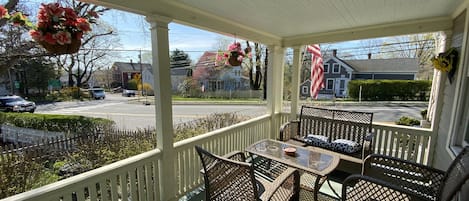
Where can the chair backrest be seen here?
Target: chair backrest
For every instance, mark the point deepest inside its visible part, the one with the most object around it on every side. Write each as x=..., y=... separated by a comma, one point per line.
x=335, y=124
x=227, y=179
x=456, y=176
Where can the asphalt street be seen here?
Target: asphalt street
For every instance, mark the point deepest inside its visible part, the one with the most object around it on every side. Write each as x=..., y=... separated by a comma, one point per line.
x=130, y=115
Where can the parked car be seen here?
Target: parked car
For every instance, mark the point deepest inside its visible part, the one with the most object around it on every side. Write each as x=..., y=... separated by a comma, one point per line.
x=97, y=93
x=128, y=92
x=16, y=104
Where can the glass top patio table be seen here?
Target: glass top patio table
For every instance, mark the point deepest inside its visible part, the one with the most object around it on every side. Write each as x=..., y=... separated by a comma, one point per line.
x=308, y=159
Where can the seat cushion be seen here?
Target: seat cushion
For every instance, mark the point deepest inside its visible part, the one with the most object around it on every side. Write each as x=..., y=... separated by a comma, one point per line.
x=317, y=141
x=345, y=146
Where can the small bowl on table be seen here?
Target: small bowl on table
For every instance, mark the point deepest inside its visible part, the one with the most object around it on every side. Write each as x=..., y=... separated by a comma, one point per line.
x=291, y=151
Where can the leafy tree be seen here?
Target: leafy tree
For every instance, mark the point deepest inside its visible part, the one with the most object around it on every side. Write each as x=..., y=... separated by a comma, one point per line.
x=35, y=74
x=179, y=58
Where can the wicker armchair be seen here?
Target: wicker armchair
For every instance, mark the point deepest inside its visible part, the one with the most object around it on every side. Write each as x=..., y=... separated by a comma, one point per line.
x=387, y=178
x=227, y=179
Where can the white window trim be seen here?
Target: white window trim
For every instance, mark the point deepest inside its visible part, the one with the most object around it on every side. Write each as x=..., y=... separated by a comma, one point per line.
x=326, y=68
x=333, y=68
x=327, y=83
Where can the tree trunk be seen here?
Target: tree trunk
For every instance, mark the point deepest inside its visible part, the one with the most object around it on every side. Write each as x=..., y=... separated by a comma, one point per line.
x=255, y=82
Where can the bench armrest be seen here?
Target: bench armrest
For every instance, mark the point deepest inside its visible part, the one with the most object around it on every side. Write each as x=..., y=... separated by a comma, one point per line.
x=362, y=188
x=369, y=136
x=419, y=178
x=289, y=130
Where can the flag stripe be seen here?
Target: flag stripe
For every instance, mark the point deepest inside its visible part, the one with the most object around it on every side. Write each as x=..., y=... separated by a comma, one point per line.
x=317, y=70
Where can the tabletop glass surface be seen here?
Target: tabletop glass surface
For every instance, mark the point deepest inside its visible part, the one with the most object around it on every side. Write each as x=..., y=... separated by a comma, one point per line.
x=302, y=157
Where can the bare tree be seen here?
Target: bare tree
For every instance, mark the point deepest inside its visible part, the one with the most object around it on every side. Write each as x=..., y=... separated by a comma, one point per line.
x=94, y=55
x=420, y=46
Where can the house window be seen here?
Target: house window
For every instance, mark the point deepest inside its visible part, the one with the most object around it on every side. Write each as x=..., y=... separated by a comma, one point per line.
x=342, y=84
x=326, y=68
x=330, y=84
x=304, y=89
x=335, y=68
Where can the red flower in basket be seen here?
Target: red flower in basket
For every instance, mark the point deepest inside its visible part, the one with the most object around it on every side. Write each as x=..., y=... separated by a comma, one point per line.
x=234, y=55
x=59, y=29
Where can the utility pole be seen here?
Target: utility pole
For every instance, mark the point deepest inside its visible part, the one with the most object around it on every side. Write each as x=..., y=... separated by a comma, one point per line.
x=141, y=71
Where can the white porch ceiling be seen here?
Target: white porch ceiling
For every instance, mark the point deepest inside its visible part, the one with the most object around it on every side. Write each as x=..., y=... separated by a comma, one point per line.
x=298, y=22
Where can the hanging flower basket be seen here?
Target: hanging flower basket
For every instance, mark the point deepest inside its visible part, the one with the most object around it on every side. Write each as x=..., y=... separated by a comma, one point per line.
x=234, y=60
x=447, y=62
x=234, y=55
x=59, y=29
x=71, y=48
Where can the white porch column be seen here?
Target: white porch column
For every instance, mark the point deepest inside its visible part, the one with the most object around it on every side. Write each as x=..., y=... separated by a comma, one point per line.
x=295, y=83
x=163, y=105
x=275, y=83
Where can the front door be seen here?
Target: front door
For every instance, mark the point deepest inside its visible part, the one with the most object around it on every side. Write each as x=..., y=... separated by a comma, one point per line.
x=341, y=87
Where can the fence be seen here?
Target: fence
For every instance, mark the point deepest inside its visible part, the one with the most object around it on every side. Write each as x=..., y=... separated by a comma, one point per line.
x=16, y=135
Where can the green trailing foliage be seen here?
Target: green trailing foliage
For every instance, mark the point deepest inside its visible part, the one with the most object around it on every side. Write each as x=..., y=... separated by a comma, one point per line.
x=408, y=121
x=388, y=90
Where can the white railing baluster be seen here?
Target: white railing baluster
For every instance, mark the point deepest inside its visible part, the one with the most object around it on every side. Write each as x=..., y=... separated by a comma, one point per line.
x=80, y=193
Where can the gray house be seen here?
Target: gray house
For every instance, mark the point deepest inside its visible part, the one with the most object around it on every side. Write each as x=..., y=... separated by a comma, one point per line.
x=122, y=72
x=338, y=72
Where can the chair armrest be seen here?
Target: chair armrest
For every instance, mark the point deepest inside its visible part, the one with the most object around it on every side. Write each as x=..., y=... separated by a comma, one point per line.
x=284, y=187
x=289, y=130
x=419, y=178
x=363, y=188
x=236, y=155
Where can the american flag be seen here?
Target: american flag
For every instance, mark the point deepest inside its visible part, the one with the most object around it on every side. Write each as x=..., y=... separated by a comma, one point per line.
x=317, y=70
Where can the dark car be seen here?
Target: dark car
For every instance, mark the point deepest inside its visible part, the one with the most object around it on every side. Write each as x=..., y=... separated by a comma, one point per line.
x=16, y=104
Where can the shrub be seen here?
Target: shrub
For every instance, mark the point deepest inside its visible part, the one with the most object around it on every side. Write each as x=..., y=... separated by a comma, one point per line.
x=132, y=84
x=408, y=121
x=59, y=123
x=389, y=89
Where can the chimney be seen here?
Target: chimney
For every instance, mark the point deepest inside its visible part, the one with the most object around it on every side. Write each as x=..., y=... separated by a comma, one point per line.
x=334, y=52
x=369, y=55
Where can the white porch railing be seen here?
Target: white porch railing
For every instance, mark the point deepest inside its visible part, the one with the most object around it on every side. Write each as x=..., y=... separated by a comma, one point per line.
x=408, y=143
x=140, y=173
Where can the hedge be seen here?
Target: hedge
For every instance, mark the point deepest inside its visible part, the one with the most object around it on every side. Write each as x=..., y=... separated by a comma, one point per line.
x=54, y=122
x=390, y=89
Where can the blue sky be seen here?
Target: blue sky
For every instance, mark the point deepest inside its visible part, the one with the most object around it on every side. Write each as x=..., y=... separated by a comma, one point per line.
x=134, y=34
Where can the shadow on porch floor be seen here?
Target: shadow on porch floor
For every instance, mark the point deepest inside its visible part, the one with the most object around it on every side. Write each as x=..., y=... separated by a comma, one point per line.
x=326, y=193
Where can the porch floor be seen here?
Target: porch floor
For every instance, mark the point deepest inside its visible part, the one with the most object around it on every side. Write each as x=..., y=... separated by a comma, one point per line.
x=326, y=193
